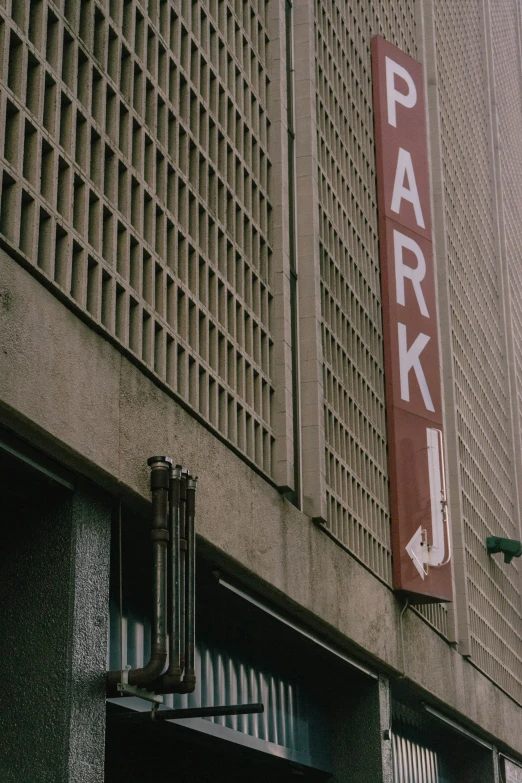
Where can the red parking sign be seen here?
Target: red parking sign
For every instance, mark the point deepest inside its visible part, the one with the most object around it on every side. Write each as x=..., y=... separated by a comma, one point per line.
x=419, y=514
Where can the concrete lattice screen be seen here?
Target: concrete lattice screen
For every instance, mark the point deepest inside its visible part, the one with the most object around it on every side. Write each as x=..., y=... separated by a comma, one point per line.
x=355, y=425
x=135, y=179
x=506, y=44
x=137, y=182
x=483, y=425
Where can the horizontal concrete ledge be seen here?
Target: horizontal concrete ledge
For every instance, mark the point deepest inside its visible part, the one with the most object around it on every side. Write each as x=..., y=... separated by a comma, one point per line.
x=76, y=397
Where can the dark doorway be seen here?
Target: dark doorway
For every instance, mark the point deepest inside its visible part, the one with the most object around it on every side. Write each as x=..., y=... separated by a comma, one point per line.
x=165, y=753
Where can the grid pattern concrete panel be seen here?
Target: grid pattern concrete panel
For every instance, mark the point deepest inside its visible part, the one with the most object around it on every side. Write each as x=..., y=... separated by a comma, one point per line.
x=355, y=427
x=135, y=178
x=504, y=21
x=478, y=340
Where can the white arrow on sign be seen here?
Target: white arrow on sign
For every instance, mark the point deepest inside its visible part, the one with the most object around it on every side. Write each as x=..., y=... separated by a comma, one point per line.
x=423, y=554
x=416, y=548
x=438, y=499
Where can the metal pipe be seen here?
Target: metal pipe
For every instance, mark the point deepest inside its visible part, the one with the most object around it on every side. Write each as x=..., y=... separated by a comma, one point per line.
x=209, y=712
x=188, y=684
x=159, y=481
x=183, y=561
x=191, y=712
x=297, y=495
x=170, y=680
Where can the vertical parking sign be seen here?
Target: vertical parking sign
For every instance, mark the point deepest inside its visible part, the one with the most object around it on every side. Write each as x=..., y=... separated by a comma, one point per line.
x=419, y=514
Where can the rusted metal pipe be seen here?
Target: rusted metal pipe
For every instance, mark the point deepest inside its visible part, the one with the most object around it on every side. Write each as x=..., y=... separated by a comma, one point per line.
x=209, y=712
x=141, y=678
x=188, y=684
x=170, y=680
x=182, y=563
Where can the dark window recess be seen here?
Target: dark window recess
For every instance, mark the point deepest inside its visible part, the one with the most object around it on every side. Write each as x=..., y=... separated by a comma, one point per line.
x=243, y=656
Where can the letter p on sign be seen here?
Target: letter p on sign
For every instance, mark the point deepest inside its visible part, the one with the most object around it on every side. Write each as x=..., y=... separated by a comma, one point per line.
x=394, y=97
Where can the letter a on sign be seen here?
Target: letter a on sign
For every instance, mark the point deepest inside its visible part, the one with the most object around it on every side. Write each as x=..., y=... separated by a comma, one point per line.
x=420, y=530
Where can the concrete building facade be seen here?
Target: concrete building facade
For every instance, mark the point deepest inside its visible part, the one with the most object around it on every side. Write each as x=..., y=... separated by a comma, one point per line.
x=189, y=247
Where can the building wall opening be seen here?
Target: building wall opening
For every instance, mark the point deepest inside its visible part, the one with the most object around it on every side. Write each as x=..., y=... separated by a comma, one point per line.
x=244, y=655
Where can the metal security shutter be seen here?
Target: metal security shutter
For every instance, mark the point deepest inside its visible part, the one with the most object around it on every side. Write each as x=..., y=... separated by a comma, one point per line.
x=416, y=758
x=225, y=677
x=431, y=747
x=413, y=762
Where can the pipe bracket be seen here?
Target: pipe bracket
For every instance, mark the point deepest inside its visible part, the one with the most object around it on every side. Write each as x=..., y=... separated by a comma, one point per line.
x=131, y=690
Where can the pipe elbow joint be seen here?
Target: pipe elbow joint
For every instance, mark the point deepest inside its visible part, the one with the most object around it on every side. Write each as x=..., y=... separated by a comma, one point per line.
x=188, y=685
x=140, y=678
x=169, y=682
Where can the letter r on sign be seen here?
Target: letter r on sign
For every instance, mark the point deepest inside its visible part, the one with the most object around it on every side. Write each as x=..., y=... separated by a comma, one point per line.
x=400, y=243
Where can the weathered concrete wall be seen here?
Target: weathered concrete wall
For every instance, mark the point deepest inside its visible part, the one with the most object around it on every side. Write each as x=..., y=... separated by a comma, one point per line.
x=54, y=569
x=88, y=613
x=103, y=416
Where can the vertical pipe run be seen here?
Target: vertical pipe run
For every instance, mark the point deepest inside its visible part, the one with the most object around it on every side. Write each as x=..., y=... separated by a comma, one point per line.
x=296, y=497
x=189, y=677
x=159, y=480
x=175, y=581
x=173, y=538
x=170, y=680
x=160, y=475
x=159, y=616
x=183, y=561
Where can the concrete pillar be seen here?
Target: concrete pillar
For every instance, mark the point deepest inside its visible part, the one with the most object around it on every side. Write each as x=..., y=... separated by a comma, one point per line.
x=54, y=578
x=496, y=766
x=361, y=741
x=88, y=644
x=385, y=729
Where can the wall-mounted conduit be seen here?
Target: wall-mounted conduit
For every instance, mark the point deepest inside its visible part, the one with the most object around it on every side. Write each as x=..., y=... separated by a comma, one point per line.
x=173, y=536
x=173, y=573
x=297, y=494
